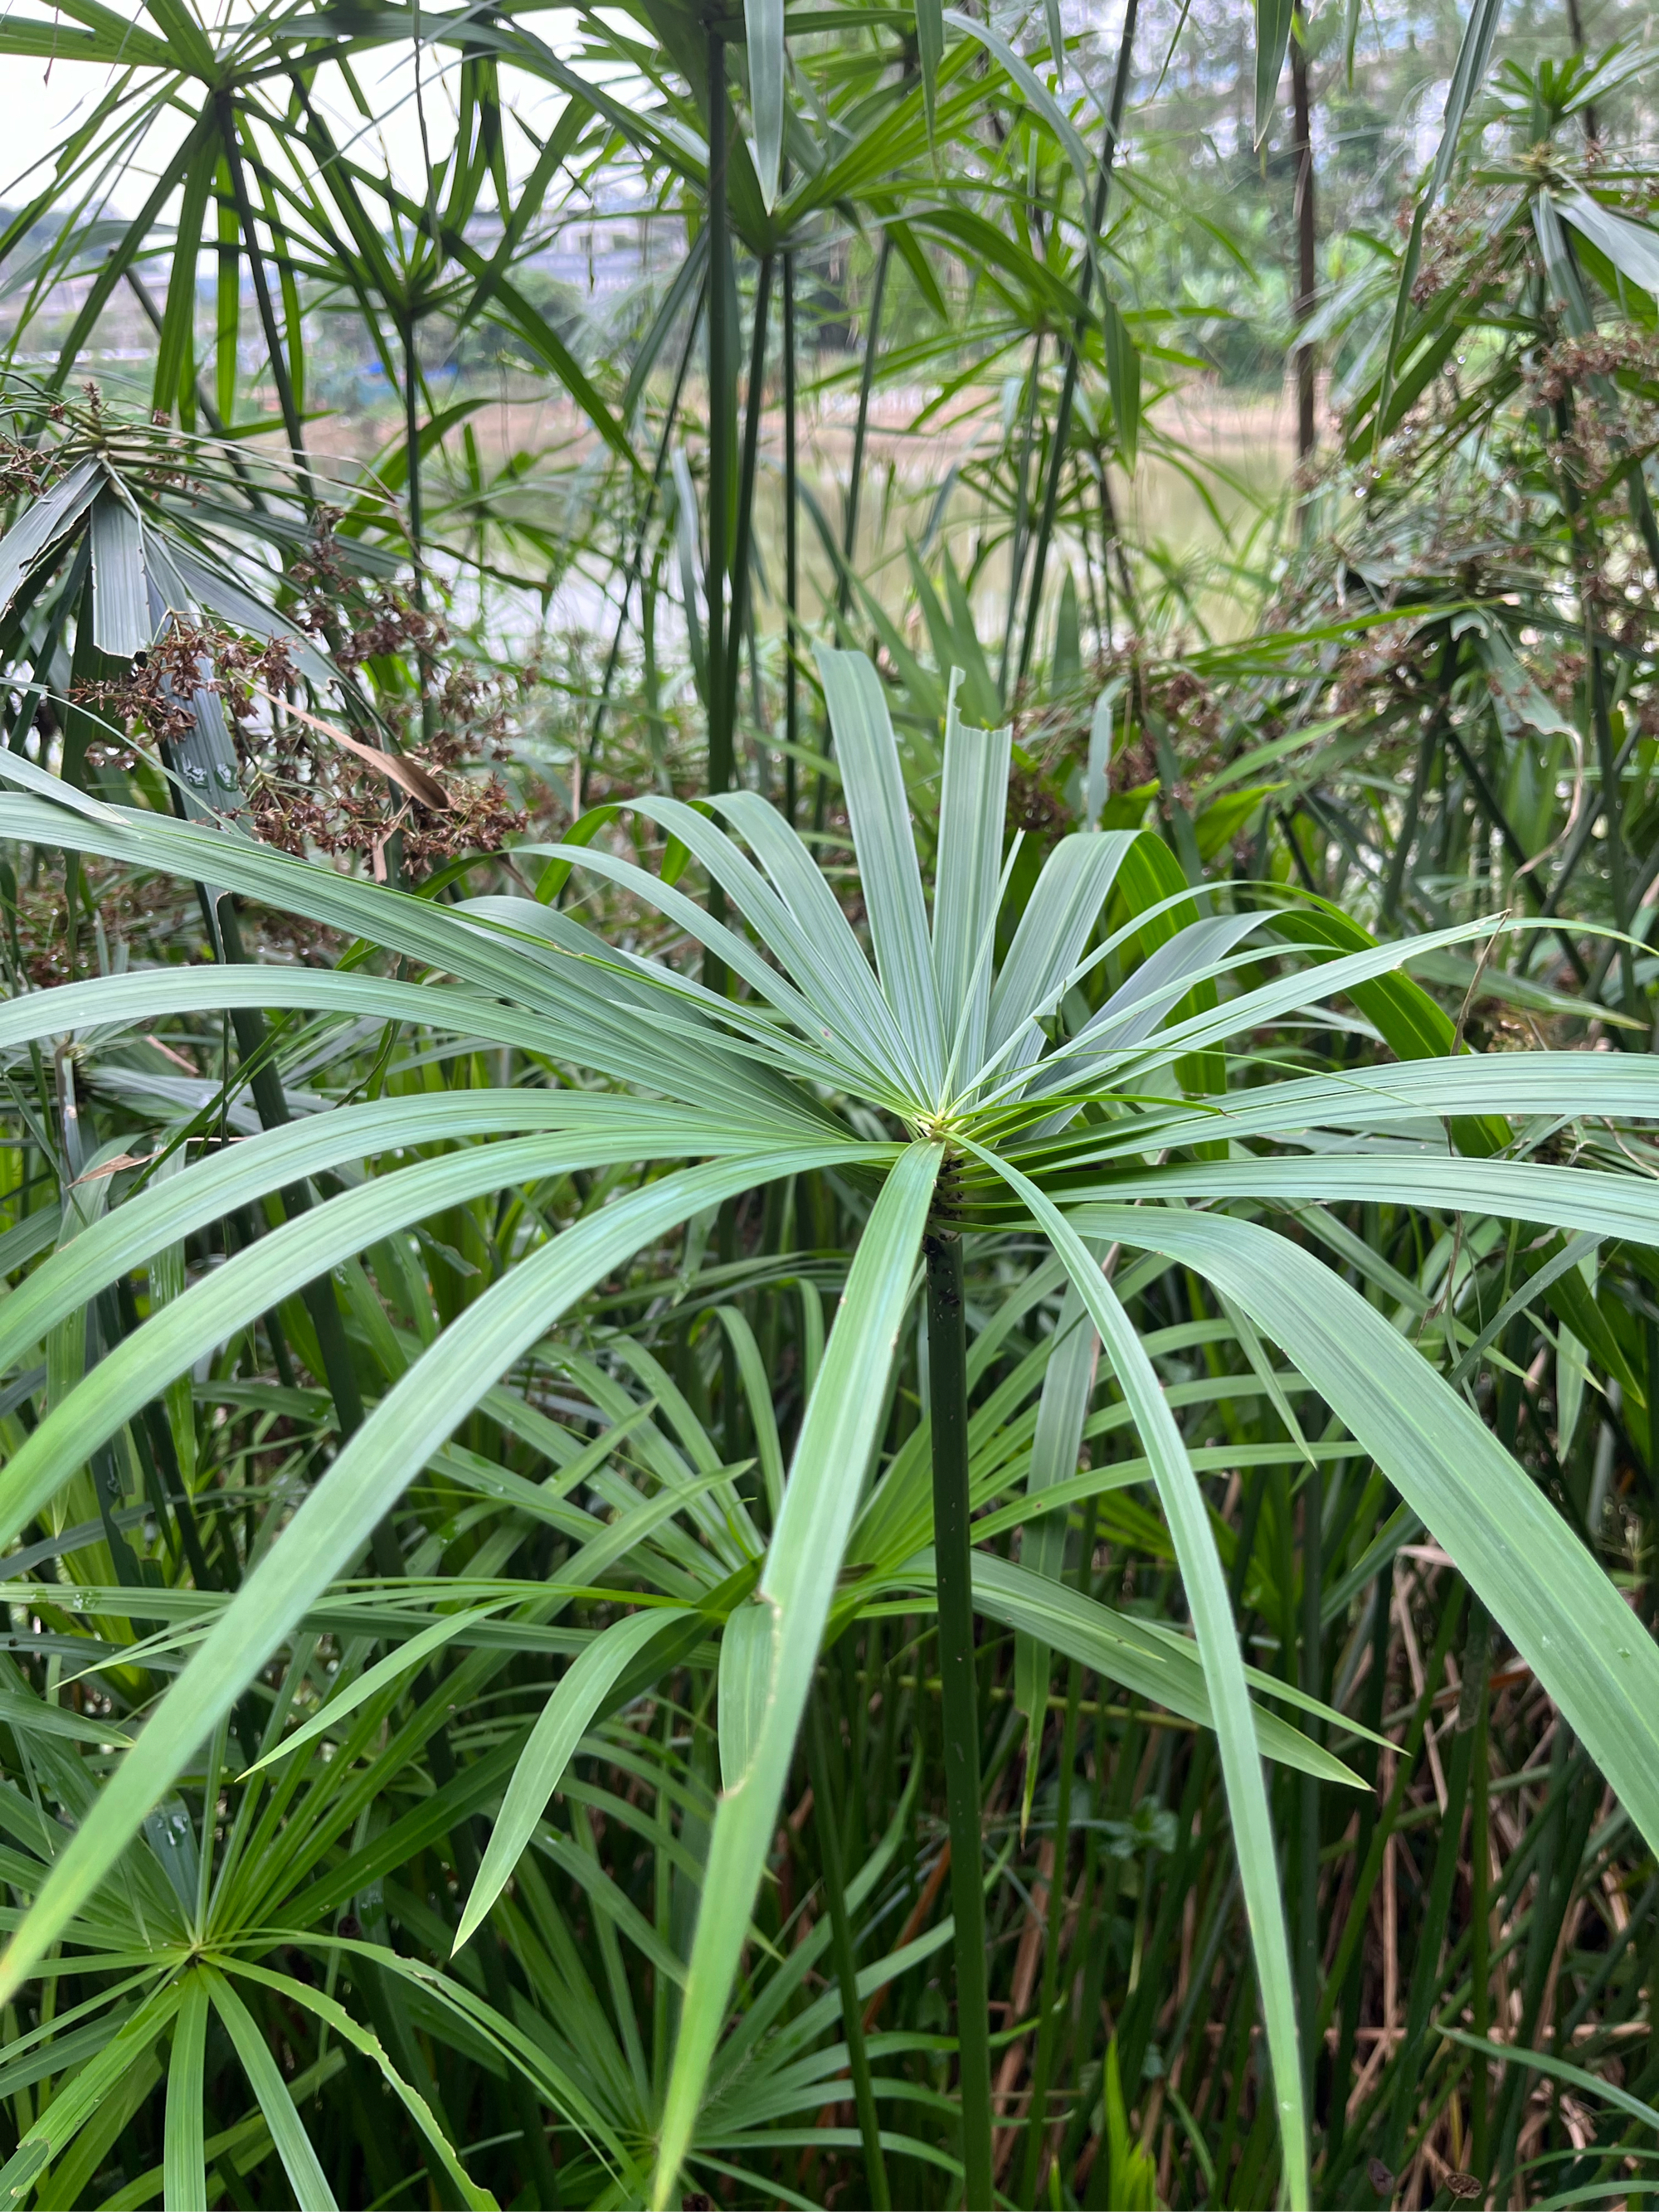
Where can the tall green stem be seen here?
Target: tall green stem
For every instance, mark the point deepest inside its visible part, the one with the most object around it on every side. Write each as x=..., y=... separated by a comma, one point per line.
x=1588, y=554
x=745, y=538
x=1307, y=273
x=947, y=1383
x=1048, y=2009
x=1062, y=430
x=274, y=347
x=1022, y=513
x=1445, y=676
x=1475, y=1702
x=637, y=560
x=1607, y=771
x=1312, y=1682
x=791, y=546
x=719, y=427
x=416, y=496
x=860, y=430
x=826, y=1823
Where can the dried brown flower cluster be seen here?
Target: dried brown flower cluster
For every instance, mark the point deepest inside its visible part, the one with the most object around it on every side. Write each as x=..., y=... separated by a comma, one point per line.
x=158, y=690
x=308, y=787
x=358, y=627
x=150, y=912
x=310, y=790
x=25, y=470
x=1563, y=370
x=1162, y=698
x=1463, y=245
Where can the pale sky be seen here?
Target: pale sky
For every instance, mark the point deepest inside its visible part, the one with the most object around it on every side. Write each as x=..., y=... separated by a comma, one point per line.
x=42, y=104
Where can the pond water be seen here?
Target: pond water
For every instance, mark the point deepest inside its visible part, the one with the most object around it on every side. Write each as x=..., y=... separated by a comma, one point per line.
x=1213, y=469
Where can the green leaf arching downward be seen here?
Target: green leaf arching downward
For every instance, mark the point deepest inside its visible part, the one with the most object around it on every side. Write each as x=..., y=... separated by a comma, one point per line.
x=1218, y=1644
x=564, y=1721
x=798, y=1584
x=1555, y=1604
x=336, y=1519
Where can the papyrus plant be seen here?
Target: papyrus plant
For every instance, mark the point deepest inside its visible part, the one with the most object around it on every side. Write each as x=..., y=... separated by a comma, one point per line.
x=963, y=1093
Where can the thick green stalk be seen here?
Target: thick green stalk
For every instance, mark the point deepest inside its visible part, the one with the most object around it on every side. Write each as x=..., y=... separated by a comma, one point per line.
x=791, y=546
x=1022, y=513
x=826, y=1822
x=662, y=1898
x=1607, y=772
x=720, y=400
x=1341, y=1995
x=745, y=538
x=1308, y=1944
x=947, y=1386
x=1307, y=273
x=416, y=497
x=1586, y=552
x=1479, y=1916
x=1445, y=676
x=1042, y=2062
x=850, y=512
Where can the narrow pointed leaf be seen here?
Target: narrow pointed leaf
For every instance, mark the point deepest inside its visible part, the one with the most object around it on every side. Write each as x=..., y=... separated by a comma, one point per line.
x=1205, y=1587
x=1123, y=377
x=1587, y=1648
x=972, y=804
x=1076, y=880
x=763, y=24
x=334, y=1523
x=880, y=816
x=119, y=595
x=42, y=523
x=1068, y=1385
x=930, y=52
x=77, y=2102
x=293, y=2146
x=797, y=1585
x=183, y=2163
x=392, y=1668
x=745, y=1684
x=1274, y=19
x=1143, y=1656
x=565, y=1719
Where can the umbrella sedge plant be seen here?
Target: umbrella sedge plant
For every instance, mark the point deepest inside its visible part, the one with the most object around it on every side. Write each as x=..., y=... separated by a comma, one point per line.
x=947, y=1069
